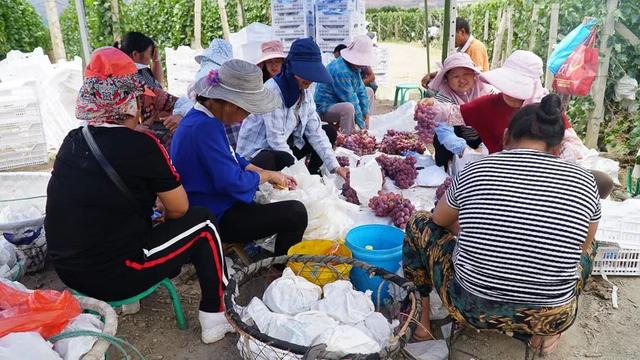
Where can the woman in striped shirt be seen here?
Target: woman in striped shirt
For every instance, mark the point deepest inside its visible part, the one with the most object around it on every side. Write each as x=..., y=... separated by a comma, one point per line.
x=512, y=245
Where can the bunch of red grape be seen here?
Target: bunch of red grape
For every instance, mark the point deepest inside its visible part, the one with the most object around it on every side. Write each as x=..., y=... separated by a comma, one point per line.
x=340, y=139
x=397, y=142
x=349, y=194
x=361, y=143
x=426, y=118
x=343, y=161
x=393, y=205
x=443, y=188
x=402, y=171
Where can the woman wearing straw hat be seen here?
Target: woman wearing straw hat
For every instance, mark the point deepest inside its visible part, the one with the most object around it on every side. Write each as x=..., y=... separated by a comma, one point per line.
x=518, y=83
x=293, y=130
x=346, y=100
x=99, y=230
x=223, y=181
x=272, y=59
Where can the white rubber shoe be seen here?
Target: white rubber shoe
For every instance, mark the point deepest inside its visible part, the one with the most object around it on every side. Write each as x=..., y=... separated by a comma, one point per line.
x=214, y=326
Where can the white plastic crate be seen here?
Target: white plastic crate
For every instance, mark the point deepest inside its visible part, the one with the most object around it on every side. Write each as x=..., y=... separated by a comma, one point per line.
x=287, y=5
x=181, y=68
x=22, y=139
x=287, y=31
x=288, y=18
x=25, y=155
x=611, y=260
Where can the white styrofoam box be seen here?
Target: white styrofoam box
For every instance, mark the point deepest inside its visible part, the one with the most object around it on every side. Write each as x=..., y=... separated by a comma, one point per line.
x=22, y=138
x=287, y=5
x=300, y=30
x=329, y=43
x=181, y=68
x=246, y=42
x=19, y=65
x=288, y=18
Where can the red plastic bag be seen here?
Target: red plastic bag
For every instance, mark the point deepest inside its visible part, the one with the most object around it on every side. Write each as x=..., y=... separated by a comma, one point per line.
x=577, y=74
x=44, y=311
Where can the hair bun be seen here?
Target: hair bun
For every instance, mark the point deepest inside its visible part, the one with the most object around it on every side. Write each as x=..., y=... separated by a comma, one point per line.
x=549, y=110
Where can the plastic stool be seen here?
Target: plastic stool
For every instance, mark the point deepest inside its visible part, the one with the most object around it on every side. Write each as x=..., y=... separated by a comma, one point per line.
x=402, y=90
x=173, y=294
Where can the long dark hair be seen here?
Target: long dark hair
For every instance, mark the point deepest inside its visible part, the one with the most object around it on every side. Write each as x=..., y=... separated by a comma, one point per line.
x=134, y=41
x=541, y=122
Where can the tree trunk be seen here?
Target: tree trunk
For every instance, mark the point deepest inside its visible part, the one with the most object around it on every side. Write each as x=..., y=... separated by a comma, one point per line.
x=553, y=37
x=241, y=16
x=497, y=44
x=600, y=85
x=223, y=19
x=115, y=20
x=485, y=33
x=509, y=35
x=54, y=30
x=534, y=26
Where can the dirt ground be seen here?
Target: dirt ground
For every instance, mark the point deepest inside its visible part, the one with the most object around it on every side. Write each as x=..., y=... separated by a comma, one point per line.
x=600, y=331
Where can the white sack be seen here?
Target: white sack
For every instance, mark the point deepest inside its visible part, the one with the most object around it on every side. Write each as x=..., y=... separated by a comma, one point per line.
x=26, y=346
x=401, y=119
x=73, y=348
x=346, y=339
x=376, y=327
x=345, y=304
x=291, y=294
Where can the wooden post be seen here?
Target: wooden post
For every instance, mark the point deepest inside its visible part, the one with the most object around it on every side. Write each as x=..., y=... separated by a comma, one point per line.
x=115, y=20
x=380, y=35
x=241, y=16
x=509, y=35
x=197, y=24
x=54, y=30
x=497, y=44
x=485, y=33
x=222, y=8
x=600, y=85
x=396, y=30
x=553, y=36
x=534, y=26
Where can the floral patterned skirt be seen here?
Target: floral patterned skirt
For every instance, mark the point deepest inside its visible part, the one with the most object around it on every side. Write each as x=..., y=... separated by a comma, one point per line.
x=427, y=262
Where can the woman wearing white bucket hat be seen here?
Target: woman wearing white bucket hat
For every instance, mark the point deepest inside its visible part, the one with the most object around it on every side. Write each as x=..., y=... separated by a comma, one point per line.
x=518, y=83
x=346, y=101
x=215, y=177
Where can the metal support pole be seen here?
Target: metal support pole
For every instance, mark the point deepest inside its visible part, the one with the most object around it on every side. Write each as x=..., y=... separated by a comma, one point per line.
x=84, y=33
x=449, y=34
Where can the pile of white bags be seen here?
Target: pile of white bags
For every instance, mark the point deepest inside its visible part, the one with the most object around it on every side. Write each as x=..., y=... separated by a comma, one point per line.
x=343, y=319
x=329, y=216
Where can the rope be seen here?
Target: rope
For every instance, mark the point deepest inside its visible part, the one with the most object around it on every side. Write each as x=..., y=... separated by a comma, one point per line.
x=27, y=198
x=117, y=342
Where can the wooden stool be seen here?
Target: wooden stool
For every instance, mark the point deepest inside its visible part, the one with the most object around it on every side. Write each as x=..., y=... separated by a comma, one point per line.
x=239, y=250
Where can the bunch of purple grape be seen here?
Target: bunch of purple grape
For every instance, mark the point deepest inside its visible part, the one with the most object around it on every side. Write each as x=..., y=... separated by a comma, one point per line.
x=361, y=143
x=443, y=188
x=402, y=171
x=393, y=205
x=343, y=161
x=340, y=139
x=349, y=194
x=397, y=142
x=426, y=117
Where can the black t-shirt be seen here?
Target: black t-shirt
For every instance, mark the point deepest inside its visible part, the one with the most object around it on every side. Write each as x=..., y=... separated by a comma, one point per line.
x=90, y=224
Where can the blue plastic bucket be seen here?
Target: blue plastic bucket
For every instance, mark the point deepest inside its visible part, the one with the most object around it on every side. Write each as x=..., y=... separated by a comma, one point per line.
x=376, y=245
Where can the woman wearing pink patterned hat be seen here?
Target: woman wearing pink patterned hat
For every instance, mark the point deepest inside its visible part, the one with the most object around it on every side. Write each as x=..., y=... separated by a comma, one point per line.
x=272, y=59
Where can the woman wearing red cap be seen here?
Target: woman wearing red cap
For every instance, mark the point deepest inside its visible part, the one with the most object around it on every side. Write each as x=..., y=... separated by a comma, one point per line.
x=99, y=229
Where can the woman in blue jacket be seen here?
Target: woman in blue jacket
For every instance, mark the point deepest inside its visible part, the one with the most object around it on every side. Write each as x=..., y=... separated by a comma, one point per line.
x=216, y=177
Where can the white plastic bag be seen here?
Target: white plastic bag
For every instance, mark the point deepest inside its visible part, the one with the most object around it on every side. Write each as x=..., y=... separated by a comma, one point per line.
x=291, y=294
x=428, y=350
x=376, y=327
x=73, y=348
x=366, y=180
x=345, y=304
x=431, y=176
x=9, y=267
x=401, y=119
x=468, y=156
x=346, y=339
x=26, y=346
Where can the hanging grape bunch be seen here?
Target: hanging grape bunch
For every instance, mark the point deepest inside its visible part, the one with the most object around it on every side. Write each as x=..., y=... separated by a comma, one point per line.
x=349, y=194
x=397, y=142
x=393, y=205
x=443, y=188
x=343, y=161
x=361, y=143
x=402, y=171
x=425, y=116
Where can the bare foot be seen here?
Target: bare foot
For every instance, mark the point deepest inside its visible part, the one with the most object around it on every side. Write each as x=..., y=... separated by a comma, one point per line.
x=423, y=330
